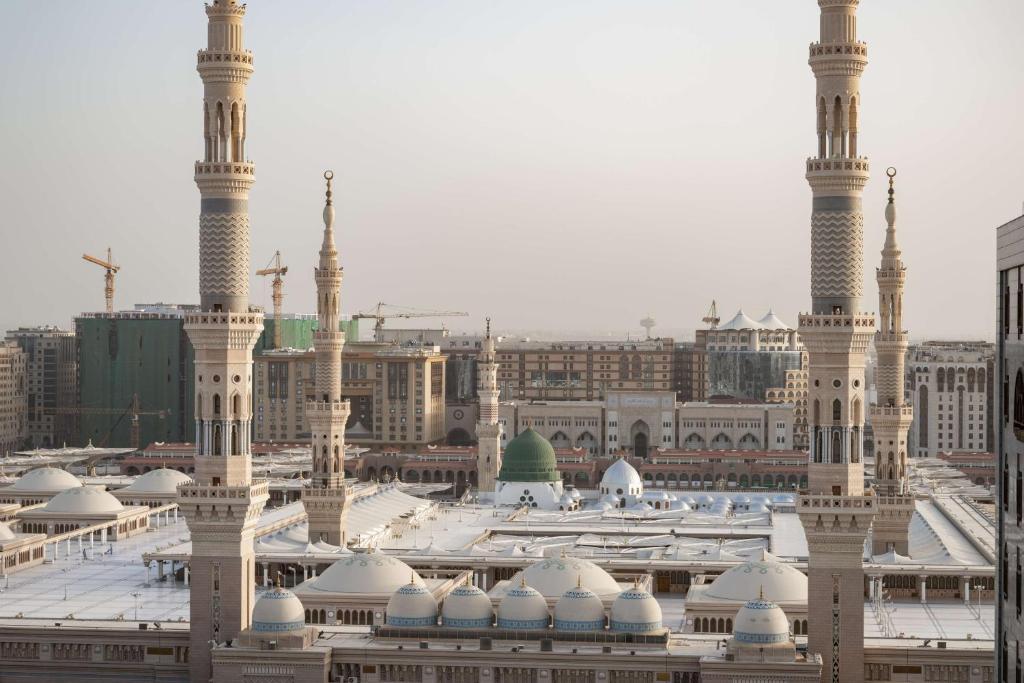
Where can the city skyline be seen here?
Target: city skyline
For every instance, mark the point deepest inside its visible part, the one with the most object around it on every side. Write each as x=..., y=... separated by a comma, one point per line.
x=507, y=131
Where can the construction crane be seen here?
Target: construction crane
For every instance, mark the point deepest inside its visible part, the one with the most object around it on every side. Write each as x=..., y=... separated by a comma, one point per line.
x=277, y=271
x=712, y=319
x=108, y=279
x=133, y=412
x=379, y=316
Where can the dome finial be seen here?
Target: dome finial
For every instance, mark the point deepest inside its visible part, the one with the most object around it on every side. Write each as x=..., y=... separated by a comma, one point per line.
x=329, y=177
x=891, y=172
x=760, y=592
x=579, y=581
x=488, y=327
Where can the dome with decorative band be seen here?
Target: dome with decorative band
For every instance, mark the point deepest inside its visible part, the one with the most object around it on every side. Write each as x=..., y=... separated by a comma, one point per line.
x=370, y=572
x=278, y=610
x=412, y=605
x=780, y=582
x=46, y=479
x=467, y=607
x=523, y=608
x=761, y=622
x=636, y=611
x=553, y=576
x=579, y=609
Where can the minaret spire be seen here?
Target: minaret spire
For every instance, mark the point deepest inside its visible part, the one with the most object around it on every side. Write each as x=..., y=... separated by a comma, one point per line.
x=892, y=416
x=835, y=513
x=488, y=429
x=223, y=503
x=326, y=500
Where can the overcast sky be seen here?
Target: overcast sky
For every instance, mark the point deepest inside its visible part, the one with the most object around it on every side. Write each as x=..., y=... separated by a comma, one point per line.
x=556, y=164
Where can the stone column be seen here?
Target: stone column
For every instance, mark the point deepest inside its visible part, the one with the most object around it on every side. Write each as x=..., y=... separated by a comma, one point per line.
x=924, y=589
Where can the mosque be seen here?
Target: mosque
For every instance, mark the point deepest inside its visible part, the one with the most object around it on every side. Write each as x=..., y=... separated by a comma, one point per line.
x=173, y=577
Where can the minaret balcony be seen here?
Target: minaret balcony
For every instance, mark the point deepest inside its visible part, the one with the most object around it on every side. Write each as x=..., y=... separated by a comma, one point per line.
x=215, y=66
x=224, y=56
x=829, y=49
x=838, y=59
x=206, y=168
x=861, y=320
x=904, y=411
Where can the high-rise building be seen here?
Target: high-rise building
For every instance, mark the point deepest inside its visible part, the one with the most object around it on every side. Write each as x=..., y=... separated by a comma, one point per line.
x=141, y=353
x=835, y=513
x=1010, y=450
x=690, y=371
x=326, y=499
x=891, y=416
x=223, y=503
x=51, y=384
x=953, y=392
x=13, y=397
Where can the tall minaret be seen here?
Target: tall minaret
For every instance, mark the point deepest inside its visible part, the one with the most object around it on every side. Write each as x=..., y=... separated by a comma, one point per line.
x=326, y=499
x=223, y=503
x=835, y=513
x=892, y=416
x=488, y=430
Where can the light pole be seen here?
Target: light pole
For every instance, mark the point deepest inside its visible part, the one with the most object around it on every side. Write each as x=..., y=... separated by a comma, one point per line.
x=136, y=595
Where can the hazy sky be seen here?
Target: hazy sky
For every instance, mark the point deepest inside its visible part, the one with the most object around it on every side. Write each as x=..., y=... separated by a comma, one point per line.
x=558, y=164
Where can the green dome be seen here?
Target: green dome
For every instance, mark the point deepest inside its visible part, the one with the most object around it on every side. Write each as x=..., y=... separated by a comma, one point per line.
x=528, y=457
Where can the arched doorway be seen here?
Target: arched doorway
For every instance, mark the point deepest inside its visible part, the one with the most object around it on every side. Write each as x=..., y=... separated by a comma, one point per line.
x=459, y=437
x=639, y=436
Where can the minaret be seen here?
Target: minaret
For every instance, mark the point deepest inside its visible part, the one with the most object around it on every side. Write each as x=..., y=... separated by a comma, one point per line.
x=488, y=430
x=223, y=503
x=891, y=417
x=326, y=499
x=835, y=513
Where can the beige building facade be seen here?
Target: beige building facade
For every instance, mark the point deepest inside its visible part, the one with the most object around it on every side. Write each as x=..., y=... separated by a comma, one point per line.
x=638, y=423
x=13, y=397
x=396, y=394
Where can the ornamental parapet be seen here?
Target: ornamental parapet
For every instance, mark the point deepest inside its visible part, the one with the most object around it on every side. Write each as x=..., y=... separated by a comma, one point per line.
x=327, y=406
x=852, y=166
x=905, y=411
x=194, y=490
x=206, y=168
x=822, y=49
x=310, y=492
x=826, y=502
x=222, y=56
x=861, y=321
x=895, y=501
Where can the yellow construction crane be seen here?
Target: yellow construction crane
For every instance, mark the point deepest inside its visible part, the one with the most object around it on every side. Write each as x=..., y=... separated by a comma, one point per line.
x=378, y=316
x=108, y=289
x=277, y=271
x=712, y=319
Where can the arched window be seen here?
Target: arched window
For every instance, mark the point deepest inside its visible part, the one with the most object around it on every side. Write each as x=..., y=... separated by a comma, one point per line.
x=822, y=129
x=236, y=406
x=981, y=379
x=940, y=379
x=1018, y=402
x=922, y=405
x=837, y=410
x=970, y=379
x=837, y=447
x=216, y=404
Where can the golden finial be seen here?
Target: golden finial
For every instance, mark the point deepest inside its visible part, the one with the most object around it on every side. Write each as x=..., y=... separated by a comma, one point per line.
x=579, y=581
x=488, y=327
x=891, y=172
x=522, y=581
x=329, y=177
x=760, y=592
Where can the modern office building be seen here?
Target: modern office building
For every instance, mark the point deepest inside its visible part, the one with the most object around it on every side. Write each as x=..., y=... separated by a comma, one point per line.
x=51, y=384
x=13, y=397
x=953, y=396
x=1010, y=448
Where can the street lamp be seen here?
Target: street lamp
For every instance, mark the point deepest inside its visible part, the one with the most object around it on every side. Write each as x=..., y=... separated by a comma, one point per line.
x=136, y=595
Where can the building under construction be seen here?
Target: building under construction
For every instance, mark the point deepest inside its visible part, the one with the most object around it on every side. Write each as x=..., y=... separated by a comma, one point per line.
x=145, y=353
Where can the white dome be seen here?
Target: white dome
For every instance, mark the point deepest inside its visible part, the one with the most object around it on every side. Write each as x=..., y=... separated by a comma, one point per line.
x=46, y=479
x=86, y=500
x=278, y=610
x=610, y=500
x=523, y=607
x=575, y=493
x=656, y=495
x=467, y=607
x=5, y=533
x=763, y=573
x=162, y=480
x=554, y=576
x=372, y=572
x=622, y=479
x=760, y=622
x=636, y=611
x=412, y=605
x=579, y=609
